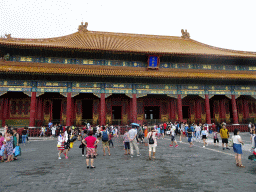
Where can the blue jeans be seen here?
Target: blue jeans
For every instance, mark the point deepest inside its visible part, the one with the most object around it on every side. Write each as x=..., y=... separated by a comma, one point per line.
x=198, y=135
x=24, y=138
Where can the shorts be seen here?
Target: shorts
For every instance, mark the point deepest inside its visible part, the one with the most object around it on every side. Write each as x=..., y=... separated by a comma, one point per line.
x=172, y=138
x=224, y=140
x=152, y=147
x=127, y=145
x=90, y=153
x=237, y=148
x=189, y=139
x=105, y=144
x=162, y=131
x=204, y=137
x=214, y=140
x=66, y=145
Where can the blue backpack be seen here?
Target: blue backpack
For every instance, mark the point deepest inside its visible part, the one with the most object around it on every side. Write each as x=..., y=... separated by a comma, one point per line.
x=104, y=136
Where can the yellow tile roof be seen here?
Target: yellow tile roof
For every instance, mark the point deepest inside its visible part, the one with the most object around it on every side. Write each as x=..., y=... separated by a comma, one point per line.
x=116, y=71
x=122, y=42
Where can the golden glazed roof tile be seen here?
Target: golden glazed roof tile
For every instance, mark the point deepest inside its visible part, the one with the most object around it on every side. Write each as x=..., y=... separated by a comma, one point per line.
x=116, y=71
x=93, y=40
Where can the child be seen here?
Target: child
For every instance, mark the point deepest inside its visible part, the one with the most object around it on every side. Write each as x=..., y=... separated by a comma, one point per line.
x=110, y=139
x=2, y=151
x=126, y=142
x=215, y=137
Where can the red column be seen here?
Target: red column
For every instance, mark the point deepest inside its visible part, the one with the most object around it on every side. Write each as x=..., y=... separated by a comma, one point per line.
x=234, y=109
x=69, y=110
x=32, y=110
x=134, y=108
x=180, y=116
x=207, y=108
x=246, y=109
x=102, y=109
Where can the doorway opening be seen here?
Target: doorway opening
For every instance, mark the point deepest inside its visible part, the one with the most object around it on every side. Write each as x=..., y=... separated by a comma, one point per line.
x=117, y=112
x=56, y=110
x=152, y=112
x=185, y=112
x=87, y=107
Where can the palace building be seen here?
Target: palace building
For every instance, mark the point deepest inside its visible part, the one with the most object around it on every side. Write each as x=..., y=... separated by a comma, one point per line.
x=118, y=78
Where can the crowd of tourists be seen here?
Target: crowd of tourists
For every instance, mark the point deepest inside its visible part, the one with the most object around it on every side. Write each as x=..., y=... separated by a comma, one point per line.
x=9, y=143
x=90, y=138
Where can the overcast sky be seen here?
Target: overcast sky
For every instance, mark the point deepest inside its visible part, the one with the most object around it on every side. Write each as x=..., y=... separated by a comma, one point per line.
x=222, y=23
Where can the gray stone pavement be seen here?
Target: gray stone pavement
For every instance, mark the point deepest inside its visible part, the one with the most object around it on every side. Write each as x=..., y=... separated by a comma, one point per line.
x=174, y=169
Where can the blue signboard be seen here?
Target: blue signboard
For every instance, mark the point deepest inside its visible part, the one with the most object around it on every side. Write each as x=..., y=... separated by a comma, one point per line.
x=152, y=61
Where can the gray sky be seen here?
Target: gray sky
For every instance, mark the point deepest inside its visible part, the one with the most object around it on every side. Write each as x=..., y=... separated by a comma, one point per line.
x=222, y=23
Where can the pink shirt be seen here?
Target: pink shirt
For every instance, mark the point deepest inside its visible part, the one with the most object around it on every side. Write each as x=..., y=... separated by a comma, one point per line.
x=1, y=141
x=90, y=141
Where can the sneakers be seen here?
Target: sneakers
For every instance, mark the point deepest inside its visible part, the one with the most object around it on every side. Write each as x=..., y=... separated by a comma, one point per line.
x=59, y=158
x=176, y=145
x=227, y=148
x=170, y=145
x=131, y=155
x=223, y=148
x=82, y=155
x=138, y=155
x=66, y=157
x=203, y=146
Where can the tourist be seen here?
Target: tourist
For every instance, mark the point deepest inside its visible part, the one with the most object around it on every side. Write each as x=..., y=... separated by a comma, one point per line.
x=173, y=131
x=224, y=134
x=60, y=145
x=164, y=129
x=105, y=144
x=251, y=128
x=2, y=150
x=2, y=142
x=186, y=129
x=198, y=131
x=253, y=140
x=152, y=143
x=126, y=142
x=84, y=135
x=67, y=136
x=9, y=145
x=90, y=142
x=24, y=136
x=237, y=147
x=215, y=137
x=53, y=129
x=204, y=136
x=132, y=135
x=27, y=133
x=110, y=141
x=42, y=133
x=16, y=138
x=189, y=133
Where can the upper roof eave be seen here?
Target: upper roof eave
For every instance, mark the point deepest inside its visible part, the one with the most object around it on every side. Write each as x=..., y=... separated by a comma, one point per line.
x=124, y=42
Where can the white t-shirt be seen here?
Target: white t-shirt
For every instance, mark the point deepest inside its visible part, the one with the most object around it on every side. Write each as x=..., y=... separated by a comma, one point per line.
x=198, y=128
x=132, y=133
x=173, y=130
x=235, y=139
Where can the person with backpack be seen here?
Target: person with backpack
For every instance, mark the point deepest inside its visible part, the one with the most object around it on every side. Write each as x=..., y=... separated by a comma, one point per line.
x=152, y=143
x=105, y=142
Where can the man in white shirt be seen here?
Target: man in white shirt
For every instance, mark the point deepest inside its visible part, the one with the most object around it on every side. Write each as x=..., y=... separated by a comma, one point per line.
x=133, y=142
x=173, y=140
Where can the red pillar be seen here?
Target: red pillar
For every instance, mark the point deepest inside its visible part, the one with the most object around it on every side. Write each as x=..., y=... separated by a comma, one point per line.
x=234, y=109
x=180, y=116
x=207, y=108
x=5, y=112
x=134, y=108
x=32, y=110
x=102, y=109
x=246, y=110
x=69, y=110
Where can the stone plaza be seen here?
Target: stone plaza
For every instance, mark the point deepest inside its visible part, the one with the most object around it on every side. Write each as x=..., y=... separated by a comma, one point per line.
x=174, y=169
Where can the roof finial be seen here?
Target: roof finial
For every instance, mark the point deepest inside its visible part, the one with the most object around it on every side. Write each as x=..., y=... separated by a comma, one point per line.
x=8, y=36
x=83, y=26
x=185, y=34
